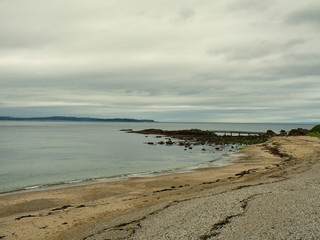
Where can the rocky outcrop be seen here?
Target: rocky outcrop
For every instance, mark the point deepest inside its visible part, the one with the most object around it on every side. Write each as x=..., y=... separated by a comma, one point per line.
x=298, y=132
x=271, y=133
x=200, y=137
x=283, y=133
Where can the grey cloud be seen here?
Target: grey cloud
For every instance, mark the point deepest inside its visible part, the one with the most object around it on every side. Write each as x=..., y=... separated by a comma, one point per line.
x=250, y=5
x=173, y=61
x=293, y=42
x=254, y=49
x=310, y=15
x=249, y=51
x=184, y=15
x=293, y=71
x=304, y=58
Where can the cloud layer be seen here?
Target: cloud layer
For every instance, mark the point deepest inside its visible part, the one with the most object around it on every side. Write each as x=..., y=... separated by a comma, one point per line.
x=234, y=61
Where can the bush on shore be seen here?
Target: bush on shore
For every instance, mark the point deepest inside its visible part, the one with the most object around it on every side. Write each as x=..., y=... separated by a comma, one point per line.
x=315, y=131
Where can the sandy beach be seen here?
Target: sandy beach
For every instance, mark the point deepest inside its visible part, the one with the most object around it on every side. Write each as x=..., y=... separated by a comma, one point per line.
x=270, y=192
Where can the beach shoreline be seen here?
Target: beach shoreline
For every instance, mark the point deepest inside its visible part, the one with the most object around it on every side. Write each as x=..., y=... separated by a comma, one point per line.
x=80, y=212
x=230, y=158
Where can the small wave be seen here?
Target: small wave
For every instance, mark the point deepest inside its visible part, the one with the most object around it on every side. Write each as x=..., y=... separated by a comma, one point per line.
x=32, y=187
x=73, y=181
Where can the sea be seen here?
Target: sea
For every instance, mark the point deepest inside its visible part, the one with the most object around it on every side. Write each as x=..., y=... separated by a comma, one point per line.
x=37, y=155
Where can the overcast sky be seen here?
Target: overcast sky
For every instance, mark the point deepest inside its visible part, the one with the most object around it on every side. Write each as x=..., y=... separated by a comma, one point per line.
x=168, y=60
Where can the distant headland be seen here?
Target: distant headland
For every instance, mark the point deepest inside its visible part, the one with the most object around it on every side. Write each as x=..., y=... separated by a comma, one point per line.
x=73, y=119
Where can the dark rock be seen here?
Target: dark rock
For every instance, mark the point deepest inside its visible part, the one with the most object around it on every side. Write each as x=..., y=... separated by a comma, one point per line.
x=298, y=132
x=150, y=143
x=187, y=145
x=271, y=133
x=158, y=136
x=199, y=137
x=203, y=149
x=161, y=143
x=283, y=133
x=169, y=142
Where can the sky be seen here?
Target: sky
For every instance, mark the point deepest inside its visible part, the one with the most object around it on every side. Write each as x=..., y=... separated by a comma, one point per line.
x=167, y=60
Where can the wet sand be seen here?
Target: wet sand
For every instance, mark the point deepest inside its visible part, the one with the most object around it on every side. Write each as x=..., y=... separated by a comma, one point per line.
x=140, y=208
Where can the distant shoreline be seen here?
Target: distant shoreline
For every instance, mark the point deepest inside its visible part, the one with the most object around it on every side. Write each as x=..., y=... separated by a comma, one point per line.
x=74, y=119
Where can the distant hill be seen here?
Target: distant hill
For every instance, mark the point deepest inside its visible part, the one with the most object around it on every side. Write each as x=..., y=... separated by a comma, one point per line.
x=74, y=119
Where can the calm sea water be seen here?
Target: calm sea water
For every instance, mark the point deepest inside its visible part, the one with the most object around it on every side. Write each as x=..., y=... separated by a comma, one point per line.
x=36, y=154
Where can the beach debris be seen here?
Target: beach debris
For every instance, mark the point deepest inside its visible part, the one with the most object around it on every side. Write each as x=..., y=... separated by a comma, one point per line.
x=164, y=190
x=26, y=216
x=208, y=182
x=126, y=130
x=242, y=173
x=61, y=208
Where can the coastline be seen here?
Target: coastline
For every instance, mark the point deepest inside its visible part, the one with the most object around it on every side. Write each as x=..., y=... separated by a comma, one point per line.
x=230, y=158
x=80, y=212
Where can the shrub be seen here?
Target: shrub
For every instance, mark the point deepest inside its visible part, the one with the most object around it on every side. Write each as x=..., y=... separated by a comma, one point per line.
x=315, y=129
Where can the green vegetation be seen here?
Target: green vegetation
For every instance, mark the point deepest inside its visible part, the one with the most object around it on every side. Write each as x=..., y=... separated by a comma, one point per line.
x=315, y=131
